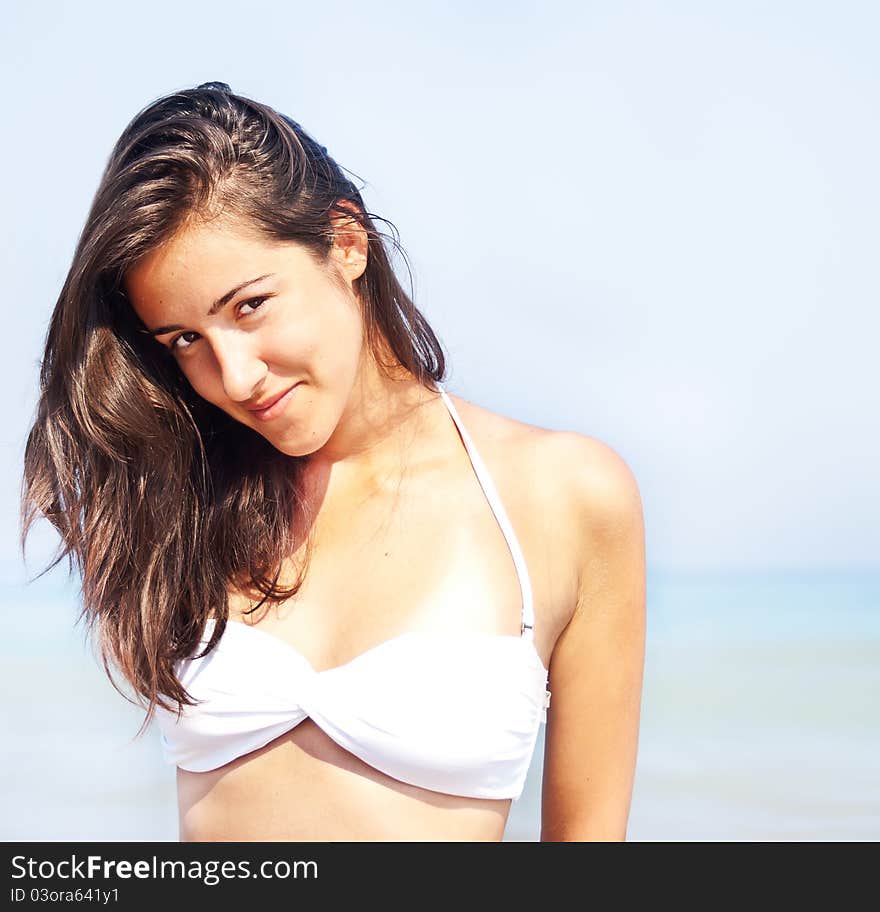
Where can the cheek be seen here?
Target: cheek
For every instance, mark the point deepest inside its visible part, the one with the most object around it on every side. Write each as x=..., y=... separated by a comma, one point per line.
x=207, y=389
x=201, y=373
x=327, y=345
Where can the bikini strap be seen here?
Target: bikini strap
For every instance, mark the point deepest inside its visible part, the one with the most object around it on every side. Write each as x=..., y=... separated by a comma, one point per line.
x=491, y=492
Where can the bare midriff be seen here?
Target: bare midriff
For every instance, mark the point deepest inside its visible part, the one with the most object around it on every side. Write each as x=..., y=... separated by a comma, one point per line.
x=303, y=787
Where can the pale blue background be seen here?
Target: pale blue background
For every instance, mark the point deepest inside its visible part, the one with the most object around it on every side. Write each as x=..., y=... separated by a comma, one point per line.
x=654, y=223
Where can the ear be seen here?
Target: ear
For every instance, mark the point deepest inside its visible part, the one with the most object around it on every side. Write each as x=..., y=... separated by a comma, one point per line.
x=349, y=245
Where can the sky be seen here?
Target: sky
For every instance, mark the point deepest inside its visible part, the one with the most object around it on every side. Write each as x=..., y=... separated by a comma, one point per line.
x=655, y=224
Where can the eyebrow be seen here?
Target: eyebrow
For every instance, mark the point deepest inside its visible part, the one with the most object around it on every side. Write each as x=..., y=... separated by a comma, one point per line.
x=216, y=307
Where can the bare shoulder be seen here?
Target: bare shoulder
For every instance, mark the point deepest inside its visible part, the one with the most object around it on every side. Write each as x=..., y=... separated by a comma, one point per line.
x=597, y=482
x=576, y=492
x=520, y=455
x=576, y=474
x=597, y=661
x=595, y=493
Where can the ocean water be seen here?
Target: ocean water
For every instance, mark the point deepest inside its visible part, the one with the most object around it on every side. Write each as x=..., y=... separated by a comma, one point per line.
x=760, y=719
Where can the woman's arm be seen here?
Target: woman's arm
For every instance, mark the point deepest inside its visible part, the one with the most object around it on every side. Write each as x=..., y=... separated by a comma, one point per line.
x=597, y=662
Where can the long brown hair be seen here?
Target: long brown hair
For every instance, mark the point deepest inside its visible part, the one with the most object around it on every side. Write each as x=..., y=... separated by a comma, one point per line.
x=162, y=500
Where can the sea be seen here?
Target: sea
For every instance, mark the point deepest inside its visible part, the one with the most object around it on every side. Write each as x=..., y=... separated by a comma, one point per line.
x=759, y=721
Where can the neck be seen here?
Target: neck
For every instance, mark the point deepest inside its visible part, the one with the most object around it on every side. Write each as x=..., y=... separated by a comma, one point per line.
x=374, y=438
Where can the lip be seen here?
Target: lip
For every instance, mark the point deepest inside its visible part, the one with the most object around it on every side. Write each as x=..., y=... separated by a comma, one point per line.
x=275, y=407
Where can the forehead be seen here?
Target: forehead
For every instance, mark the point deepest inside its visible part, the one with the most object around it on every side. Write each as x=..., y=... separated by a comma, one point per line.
x=201, y=263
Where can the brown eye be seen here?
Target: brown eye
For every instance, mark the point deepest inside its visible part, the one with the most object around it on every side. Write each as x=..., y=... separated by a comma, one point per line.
x=173, y=346
x=254, y=303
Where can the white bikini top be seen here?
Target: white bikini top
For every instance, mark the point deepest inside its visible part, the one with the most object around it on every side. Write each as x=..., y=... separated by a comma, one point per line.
x=453, y=712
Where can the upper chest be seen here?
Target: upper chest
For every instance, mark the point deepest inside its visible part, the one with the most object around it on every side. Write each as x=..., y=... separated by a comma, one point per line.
x=427, y=551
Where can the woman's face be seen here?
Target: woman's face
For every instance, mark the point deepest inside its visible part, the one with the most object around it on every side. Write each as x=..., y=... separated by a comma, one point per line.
x=248, y=319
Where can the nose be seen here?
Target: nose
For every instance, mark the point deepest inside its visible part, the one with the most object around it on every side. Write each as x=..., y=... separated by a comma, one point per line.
x=241, y=369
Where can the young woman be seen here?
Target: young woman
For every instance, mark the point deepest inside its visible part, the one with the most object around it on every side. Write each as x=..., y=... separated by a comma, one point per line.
x=345, y=595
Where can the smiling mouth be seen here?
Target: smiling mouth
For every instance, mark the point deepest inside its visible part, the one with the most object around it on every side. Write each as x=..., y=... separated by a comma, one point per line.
x=274, y=407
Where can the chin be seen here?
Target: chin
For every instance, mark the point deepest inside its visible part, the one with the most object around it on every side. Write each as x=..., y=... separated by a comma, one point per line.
x=296, y=448
x=292, y=451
